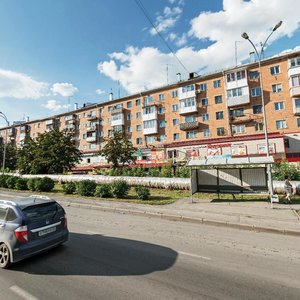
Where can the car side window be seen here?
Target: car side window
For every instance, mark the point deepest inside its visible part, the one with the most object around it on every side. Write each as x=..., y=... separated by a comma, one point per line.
x=2, y=213
x=11, y=215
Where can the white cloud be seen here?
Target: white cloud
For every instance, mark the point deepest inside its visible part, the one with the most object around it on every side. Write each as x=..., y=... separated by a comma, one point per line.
x=169, y=18
x=145, y=68
x=55, y=105
x=100, y=92
x=64, y=89
x=20, y=86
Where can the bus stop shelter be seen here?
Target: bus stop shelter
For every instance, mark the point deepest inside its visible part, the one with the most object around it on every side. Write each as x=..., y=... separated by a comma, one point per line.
x=231, y=175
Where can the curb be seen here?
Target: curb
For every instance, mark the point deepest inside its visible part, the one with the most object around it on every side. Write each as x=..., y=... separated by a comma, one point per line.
x=171, y=217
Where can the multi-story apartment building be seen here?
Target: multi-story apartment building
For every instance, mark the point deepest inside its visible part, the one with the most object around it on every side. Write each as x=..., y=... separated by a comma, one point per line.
x=215, y=114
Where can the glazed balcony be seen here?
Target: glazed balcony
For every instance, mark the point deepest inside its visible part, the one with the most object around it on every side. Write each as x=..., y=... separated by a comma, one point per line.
x=189, y=125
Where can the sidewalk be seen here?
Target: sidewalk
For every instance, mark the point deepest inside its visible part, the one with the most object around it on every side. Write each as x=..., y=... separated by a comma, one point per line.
x=255, y=216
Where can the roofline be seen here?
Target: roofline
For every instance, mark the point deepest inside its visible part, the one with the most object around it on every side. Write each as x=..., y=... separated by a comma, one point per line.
x=161, y=88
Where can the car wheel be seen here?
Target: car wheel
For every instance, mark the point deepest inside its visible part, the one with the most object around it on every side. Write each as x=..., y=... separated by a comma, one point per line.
x=4, y=256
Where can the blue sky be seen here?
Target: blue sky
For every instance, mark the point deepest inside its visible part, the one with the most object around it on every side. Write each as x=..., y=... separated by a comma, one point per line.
x=55, y=52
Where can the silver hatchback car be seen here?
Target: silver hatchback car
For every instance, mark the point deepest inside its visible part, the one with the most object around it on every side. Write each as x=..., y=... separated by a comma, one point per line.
x=29, y=226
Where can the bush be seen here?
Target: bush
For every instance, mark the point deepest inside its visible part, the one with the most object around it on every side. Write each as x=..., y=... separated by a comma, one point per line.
x=184, y=172
x=139, y=172
x=11, y=182
x=154, y=172
x=44, y=184
x=114, y=172
x=103, y=191
x=167, y=172
x=3, y=179
x=284, y=168
x=142, y=192
x=120, y=188
x=31, y=183
x=69, y=187
x=21, y=184
x=86, y=187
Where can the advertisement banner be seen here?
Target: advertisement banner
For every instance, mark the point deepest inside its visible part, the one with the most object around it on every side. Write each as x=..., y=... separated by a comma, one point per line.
x=238, y=150
x=214, y=151
x=262, y=149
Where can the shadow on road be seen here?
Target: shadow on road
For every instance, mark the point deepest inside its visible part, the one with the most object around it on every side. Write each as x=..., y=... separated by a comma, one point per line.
x=99, y=255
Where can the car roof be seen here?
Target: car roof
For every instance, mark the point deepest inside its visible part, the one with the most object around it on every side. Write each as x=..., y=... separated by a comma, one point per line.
x=28, y=201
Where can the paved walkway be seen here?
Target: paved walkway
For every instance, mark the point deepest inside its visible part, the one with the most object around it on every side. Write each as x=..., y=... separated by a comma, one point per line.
x=256, y=216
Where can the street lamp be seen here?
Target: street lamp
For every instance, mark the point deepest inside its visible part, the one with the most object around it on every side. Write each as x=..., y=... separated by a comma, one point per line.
x=259, y=57
x=4, y=146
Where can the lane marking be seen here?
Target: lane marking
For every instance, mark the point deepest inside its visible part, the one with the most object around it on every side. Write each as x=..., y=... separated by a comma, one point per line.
x=194, y=255
x=22, y=293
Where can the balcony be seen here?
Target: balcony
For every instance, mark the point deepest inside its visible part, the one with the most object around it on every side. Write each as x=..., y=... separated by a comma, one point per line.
x=188, y=109
x=238, y=100
x=92, y=117
x=69, y=126
x=117, y=120
x=295, y=91
x=49, y=122
x=189, y=125
x=91, y=139
x=91, y=128
x=24, y=128
x=150, y=130
x=241, y=119
x=70, y=118
x=11, y=131
x=22, y=137
x=297, y=111
x=149, y=113
x=185, y=95
x=116, y=111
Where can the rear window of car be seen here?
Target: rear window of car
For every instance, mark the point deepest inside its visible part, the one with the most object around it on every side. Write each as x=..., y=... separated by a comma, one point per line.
x=42, y=211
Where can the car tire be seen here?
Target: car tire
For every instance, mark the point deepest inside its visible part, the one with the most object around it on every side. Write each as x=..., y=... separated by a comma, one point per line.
x=4, y=256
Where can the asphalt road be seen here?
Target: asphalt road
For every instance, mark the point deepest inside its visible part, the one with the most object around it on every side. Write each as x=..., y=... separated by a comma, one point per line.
x=117, y=256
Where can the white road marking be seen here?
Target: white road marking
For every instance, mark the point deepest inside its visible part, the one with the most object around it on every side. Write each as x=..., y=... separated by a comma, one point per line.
x=194, y=255
x=92, y=232
x=22, y=293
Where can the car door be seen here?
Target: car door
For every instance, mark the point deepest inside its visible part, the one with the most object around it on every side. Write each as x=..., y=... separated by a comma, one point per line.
x=3, y=211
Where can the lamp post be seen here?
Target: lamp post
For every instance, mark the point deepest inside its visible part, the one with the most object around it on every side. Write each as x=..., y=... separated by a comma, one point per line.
x=259, y=57
x=4, y=146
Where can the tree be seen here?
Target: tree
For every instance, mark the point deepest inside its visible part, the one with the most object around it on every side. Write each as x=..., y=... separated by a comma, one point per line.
x=118, y=149
x=10, y=156
x=51, y=153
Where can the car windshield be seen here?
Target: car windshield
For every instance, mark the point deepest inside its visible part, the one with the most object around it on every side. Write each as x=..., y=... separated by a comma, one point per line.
x=41, y=211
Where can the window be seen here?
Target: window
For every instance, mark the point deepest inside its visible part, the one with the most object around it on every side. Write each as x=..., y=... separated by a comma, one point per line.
x=296, y=80
x=240, y=75
x=275, y=70
x=253, y=75
x=100, y=123
x=119, y=106
x=188, y=102
x=259, y=126
x=281, y=124
x=84, y=136
x=137, y=102
x=174, y=93
x=276, y=88
x=206, y=132
x=175, y=107
x=161, y=110
x=175, y=122
x=138, y=115
x=237, y=112
x=295, y=62
x=220, y=131
x=161, y=96
x=191, y=134
x=2, y=213
x=205, y=117
x=148, y=110
x=11, y=215
x=109, y=110
x=162, y=124
x=150, y=124
x=298, y=122
x=257, y=109
x=129, y=129
x=129, y=117
x=234, y=92
x=219, y=115
x=148, y=100
x=203, y=87
x=150, y=139
x=188, y=88
x=138, y=127
x=92, y=146
x=230, y=77
x=162, y=137
x=129, y=104
x=297, y=105
x=279, y=105
x=218, y=99
x=238, y=129
x=204, y=101
x=101, y=133
x=217, y=83
x=175, y=136
x=255, y=92
x=191, y=118
x=100, y=112
x=139, y=141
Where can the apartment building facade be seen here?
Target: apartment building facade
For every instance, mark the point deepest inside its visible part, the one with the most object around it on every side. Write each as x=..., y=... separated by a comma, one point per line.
x=218, y=114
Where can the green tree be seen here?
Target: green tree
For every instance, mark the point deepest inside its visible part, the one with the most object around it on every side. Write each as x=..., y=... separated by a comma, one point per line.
x=118, y=149
x=10, y=156
x=51, y=153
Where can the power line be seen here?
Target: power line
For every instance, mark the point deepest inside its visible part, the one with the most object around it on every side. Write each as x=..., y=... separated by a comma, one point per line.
x=144, y=11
